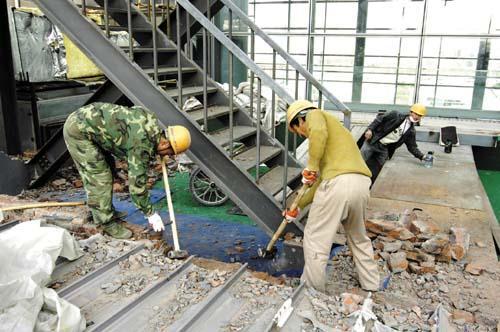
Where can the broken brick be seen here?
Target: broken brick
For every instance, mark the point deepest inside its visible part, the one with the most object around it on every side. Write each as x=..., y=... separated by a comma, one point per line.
x=378, y=245
x=417, y=255
x=445, y=255
x=384, y=255
x=391, y=246
x=420, y=226
x=402, y=234
x=379, y=226
x=350, y=303
x=459, y=240
x=58, y=182
x=77, y=183
x=423, y=268
x=398, y=262
x=474, y=269
x=435, y=244
x=462, y=315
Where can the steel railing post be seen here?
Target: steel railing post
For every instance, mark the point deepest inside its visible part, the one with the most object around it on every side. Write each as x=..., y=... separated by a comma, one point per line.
x=130, y=34
x=205, y=97
x=179, y=69
x=155, y=50
x=257, y=162
x=230, y=64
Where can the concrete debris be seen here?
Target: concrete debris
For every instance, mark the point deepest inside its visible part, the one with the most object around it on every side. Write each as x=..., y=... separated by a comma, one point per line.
x=474, y=269
x=420, y=226
x=436, y=244
x=259, y=296
x=460, y=240
x=397, y=262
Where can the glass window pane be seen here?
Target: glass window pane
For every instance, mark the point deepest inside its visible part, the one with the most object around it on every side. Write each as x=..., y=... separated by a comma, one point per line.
x=342, y=15
x=404, y=95
x=299, y=15
x=410, y=46
x=465, y=16
x=381, y=46
x=343, y=91
x=265, y=15
x=377, y=93
x=492, y=99
x=340, y=45
x=454, y=97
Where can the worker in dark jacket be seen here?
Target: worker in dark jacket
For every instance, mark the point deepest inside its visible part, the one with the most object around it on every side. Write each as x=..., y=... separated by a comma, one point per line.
x=387, y=133
x=132, y=133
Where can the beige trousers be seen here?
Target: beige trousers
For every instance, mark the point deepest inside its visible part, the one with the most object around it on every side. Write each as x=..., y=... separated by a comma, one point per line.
x=341, y=199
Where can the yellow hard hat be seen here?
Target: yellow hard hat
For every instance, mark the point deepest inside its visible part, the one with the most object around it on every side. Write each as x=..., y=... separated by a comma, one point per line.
x=295, y=108
x=179, y=138
x=418, y=109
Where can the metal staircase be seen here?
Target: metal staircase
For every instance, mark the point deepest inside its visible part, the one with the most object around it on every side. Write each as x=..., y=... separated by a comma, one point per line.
x=159, y=76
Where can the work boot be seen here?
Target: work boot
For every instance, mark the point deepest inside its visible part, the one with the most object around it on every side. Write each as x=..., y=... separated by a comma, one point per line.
x=117, y=230
x=119, y=215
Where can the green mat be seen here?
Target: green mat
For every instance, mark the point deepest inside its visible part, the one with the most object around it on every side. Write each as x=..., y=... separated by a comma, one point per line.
x=491, y=183
x=185, y=204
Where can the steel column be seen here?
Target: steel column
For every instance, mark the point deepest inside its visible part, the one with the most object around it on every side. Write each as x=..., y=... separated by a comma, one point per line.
x=420, y=54
x=9, y=134
x=359, y=55
x=483, y=59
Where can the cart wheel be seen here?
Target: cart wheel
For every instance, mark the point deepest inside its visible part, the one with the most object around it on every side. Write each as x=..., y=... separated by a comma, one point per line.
x=204, y=190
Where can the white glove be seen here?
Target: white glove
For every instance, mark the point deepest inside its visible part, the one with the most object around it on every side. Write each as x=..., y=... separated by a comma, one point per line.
x=156, y=222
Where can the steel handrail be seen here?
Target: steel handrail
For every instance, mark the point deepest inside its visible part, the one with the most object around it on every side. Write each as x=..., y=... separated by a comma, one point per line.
x=288, y=58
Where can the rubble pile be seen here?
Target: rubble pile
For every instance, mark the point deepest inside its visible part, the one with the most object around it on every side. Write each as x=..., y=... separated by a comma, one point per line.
x=190, y=289
x=141, y=270
x=99, y=250
x=415, y=243
x=413, y=295
x=259, y=296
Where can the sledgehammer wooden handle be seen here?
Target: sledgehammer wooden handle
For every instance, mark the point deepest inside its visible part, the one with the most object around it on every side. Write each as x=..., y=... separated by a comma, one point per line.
x=283, y=224
x=170, y=205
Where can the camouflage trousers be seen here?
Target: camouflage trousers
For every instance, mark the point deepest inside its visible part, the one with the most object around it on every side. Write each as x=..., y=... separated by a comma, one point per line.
x=94, y=170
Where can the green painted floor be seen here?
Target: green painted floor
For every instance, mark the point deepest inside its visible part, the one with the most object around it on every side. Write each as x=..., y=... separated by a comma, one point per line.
x=185, y=204
x=491, y=183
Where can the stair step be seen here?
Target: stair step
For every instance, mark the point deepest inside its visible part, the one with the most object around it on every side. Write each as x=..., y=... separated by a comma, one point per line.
x=150, y=49
x=221, y=137
x=170, y=70
x=246, y=160
x=120, y=28
x=190, y=91
x=272, y=181
x=111, y=10
x=212, y=112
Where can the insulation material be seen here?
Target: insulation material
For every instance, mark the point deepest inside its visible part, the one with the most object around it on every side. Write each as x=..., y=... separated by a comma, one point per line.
x=78, y=63
x=40, y=46
x=28, y=253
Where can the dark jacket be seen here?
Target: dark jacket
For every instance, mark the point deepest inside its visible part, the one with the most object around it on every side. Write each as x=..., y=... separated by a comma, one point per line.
x=386, y=123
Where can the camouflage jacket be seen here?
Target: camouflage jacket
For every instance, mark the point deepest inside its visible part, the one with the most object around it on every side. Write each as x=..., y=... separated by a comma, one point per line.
x=130, y=134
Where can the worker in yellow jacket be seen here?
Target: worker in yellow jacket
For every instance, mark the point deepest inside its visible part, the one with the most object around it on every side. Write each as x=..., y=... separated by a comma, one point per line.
x=340, y=189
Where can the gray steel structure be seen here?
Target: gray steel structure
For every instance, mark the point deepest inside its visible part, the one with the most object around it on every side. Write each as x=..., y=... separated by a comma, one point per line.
x=130, y=80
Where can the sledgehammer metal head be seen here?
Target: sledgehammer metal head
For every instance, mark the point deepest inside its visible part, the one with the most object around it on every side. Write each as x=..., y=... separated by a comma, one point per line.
x=177, y=254
x=269, y=254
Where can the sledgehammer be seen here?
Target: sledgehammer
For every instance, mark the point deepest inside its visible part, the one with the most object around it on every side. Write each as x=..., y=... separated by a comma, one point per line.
x=177, y=253
x=270, y=250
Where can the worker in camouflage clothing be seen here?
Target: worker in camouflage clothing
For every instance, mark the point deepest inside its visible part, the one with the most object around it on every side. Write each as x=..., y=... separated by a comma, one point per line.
x=131, y=134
